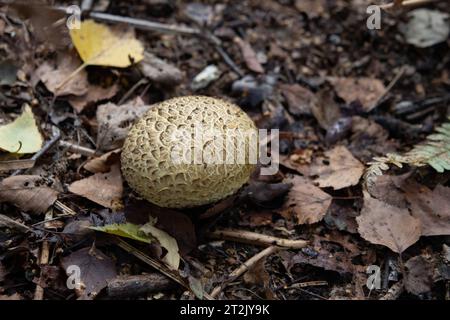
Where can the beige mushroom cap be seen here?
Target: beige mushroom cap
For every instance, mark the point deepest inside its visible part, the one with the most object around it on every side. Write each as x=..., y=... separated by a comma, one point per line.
x=190, y=151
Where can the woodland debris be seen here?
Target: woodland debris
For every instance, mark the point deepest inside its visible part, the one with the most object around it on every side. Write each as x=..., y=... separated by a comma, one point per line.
x=138, y=285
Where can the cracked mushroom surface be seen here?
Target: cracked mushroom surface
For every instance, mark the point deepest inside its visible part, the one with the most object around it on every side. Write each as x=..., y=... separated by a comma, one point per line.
x=190, y=151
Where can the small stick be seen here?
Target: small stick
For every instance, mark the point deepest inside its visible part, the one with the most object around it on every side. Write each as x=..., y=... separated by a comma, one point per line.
x=6, y=221
x=135, y=285
x=308, y=284
x=389, y=87
x=43, y=260
x=156, y=264
x=74, y=148
x=256, y=238
x=64, y=209
x=404, y=4
x=244, y=268
x=394, y=292
x=45, y=148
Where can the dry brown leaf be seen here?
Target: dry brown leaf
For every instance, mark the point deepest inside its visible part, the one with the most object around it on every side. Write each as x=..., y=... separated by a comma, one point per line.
x=431, y=207
x=419, y=275
x=342, y=171
x=306, y=202
x=52, y=77
x=325, y=110
x=114, y=122
x=393, y=227
x=159, y=71
x=249, y=55
x=300, y=100
x=103, y=163
x=385, y=188
x=94, y=94
x=365, y=90
x=96, y=269
x=103, y=188
x=28, y=192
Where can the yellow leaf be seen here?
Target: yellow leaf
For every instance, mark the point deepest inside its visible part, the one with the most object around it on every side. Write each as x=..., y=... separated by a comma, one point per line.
x=98, y=45
x=22, y=135
x=127, y=230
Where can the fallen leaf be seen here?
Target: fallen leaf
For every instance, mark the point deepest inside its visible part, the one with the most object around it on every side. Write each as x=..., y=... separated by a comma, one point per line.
x=159, y=71
x=385, y=188
x=249, y=55
x=325, y=109
x=419, y=275
x=258, y=275
x=175, y=223
x=300, y=100
x=426, y=27
x=338, y=170
x=103, y=163
x=306, y=202
x=102, y=188
x=96, y=269
x=114, y=122
x=365, y=90
x=100, y=45
x=12, y=297
x=172, y=258
x=28, y=192
x=22, y=135
x=432, y=208
x=127, y=230
x=94, y=94
x=52, y=77
x=393, y=227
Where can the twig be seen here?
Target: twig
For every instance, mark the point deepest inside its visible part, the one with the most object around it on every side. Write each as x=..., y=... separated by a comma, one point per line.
x=6, y=221
x=404, y=4
x=308, y=284
x=132, y=89
x=394, y=292
x=130, y=286
x=45, y=148
x=8, y=165
x=244, y=268
x=74, y=148
x=389, y=87
x=156, y=264
x=256, y=238
x=43, y=260
x=64, y=209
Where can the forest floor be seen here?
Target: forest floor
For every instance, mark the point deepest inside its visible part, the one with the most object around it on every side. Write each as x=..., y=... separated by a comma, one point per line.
x=340, y=94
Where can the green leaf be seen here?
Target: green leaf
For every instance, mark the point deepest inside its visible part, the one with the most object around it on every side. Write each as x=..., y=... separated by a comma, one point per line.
x=127, y=230
x=22, y=135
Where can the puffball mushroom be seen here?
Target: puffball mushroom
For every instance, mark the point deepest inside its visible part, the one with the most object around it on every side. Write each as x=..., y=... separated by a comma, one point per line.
x=190, y=151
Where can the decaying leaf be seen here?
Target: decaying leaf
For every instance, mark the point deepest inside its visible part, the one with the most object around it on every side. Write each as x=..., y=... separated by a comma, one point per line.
x=96, y=269
x=97, y=44
x=53, y=76
x=365, y=90
x=305, y=202
x=432, y=208
x=419, y=275
x=28, y=192
x=249, y=55
x=300, y=100
x=103, y=163
x=103, y=188
x=114, y=122
x=22, y=135
x=338, y=170
x=172, y=258
x=94, y=94
x=393, y=227
x=159, y=71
